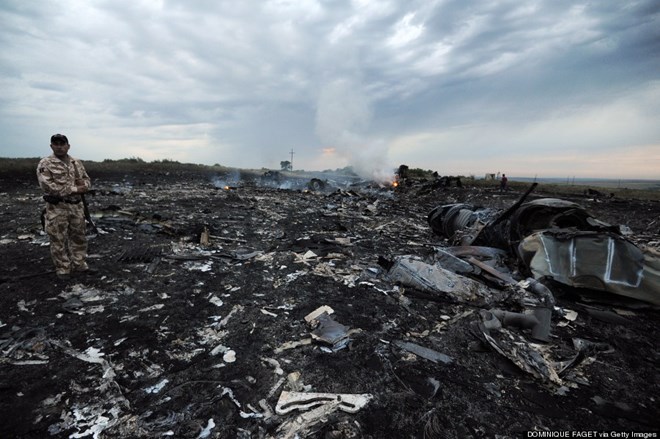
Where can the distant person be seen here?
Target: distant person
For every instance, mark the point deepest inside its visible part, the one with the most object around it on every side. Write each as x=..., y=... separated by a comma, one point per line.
x=504, y=183
x=402, y=174
x=63, y=179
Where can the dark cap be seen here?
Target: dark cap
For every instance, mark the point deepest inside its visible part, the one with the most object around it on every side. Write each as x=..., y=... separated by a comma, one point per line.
x=59, y=139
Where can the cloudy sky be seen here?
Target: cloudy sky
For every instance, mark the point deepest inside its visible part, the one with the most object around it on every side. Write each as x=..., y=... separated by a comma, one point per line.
x=552, y=88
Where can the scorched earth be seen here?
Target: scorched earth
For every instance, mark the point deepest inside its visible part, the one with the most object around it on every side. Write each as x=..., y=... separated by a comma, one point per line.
x=200, y=320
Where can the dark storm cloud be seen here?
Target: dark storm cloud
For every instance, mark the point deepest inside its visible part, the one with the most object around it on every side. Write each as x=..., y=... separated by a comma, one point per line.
x=244, y=82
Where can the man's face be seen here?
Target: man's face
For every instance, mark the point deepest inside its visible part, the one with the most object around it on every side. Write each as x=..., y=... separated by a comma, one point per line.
x=60, y=149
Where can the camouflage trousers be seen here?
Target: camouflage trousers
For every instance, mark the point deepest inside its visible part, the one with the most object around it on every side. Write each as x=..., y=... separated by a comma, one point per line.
x=65, y=226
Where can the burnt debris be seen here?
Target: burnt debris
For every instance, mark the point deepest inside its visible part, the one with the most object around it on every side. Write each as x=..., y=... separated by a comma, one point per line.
x=290, y=305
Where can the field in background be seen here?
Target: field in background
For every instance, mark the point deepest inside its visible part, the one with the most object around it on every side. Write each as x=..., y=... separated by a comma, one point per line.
x=653, y=185
x=24, y=169
x=641, y=190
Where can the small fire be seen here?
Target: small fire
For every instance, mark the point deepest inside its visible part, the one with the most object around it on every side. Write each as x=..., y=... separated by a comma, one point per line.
x=395, y=183
x=227, y=188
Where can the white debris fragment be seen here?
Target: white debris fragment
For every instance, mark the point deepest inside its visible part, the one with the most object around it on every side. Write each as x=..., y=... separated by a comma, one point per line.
x=206, y=432
x=92, y=420
x=94, y=354
x=568, y=315
x=216, y=301
x=250, y=415
x=99, y=424
x=275, y=364
x=158, y=387
x=310, y=255
x=229, y=356
x=302, y=401
x=228, y=391
x=276, y=386
x=152, y=308
x=85, y=294
x=197, y=266
x=28, y=362
x=317, y=312
x=21, y=306
x=293, y=344
x=219, y=349
x=235, y=309
x=268, y=313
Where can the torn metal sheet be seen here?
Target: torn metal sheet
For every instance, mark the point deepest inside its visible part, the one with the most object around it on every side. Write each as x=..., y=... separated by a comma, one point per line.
x=423, y=352
x=593, y=260
x=350, y=403
x=331, y=332
x=450, y=262
x=312, y=316
x=293, y=344
x=299, y=426
x=552, y=213
x=414, y=272
x=531, y=358
x=104, y=411
x=24, y=345
x=559, y=239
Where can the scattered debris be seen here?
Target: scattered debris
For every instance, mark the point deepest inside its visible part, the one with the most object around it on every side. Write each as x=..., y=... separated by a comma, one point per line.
x=290, y=401
x=476, y=327
x=317, y=407
x=333, y=336
x=423, y=352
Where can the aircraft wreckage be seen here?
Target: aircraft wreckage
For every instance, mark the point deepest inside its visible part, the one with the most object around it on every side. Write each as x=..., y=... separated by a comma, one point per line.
x=276, y=307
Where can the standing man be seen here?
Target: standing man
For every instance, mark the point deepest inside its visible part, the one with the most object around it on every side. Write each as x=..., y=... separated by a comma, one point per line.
x=503, y=183
x=63, y=179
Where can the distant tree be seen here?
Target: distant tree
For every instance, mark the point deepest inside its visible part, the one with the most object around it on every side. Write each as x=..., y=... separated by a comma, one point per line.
x=285, y=165
x=420, y=173
x=131, y=160
x=348, y=170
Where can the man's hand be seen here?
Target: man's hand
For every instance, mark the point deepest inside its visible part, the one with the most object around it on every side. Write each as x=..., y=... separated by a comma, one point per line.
x=81, y=187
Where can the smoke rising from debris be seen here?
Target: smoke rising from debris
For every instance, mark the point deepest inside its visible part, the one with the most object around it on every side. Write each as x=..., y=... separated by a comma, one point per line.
x=343, y=115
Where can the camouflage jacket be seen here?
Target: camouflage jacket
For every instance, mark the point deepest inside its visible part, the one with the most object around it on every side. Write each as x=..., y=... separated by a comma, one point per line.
x=59, y=178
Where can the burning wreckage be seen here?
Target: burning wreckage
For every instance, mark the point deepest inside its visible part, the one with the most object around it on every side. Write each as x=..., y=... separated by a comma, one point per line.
x=289, y=309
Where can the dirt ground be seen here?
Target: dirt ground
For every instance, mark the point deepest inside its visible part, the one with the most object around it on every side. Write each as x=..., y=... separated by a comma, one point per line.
x=173, y=337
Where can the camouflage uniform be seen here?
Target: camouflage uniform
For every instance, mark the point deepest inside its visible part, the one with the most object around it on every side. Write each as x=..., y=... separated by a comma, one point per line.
x=65, y=221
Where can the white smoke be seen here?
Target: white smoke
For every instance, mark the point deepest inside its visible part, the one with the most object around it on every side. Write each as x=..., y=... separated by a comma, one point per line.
x=343, y=116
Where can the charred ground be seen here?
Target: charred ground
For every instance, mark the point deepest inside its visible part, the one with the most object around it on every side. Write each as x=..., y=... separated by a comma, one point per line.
x=138, y=349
